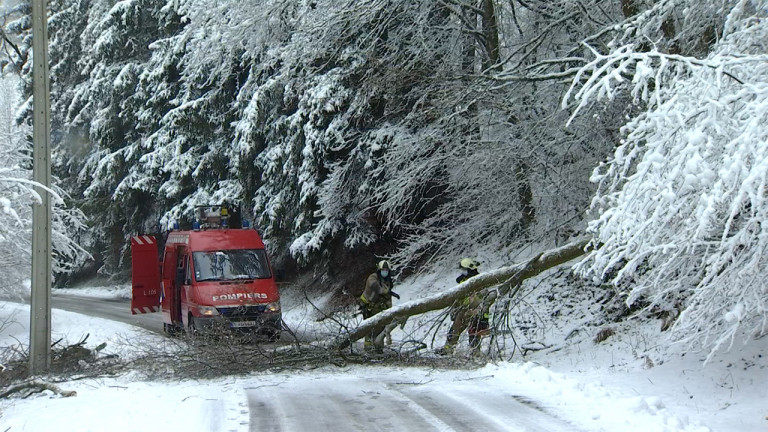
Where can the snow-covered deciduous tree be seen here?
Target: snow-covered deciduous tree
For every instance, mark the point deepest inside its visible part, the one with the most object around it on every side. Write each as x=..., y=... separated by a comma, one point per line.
x=682, y=206
x=17, y=194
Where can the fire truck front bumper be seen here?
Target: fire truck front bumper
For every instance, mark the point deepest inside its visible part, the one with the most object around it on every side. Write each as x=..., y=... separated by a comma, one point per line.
x=262, y=319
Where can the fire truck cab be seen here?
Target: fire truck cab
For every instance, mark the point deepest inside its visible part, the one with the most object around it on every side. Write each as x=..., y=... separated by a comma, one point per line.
x=210, y=277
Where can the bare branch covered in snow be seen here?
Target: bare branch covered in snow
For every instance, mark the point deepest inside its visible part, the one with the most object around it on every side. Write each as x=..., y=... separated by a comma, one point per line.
x=17, y=194
x=681, y=208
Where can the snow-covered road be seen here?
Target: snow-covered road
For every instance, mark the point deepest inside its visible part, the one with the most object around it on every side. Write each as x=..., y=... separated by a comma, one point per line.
x=508, y=396
x=109, y=308
x=355, y=403
x=359, y=403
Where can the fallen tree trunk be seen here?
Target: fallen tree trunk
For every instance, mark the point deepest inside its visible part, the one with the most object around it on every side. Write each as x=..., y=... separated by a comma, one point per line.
x=506, y=278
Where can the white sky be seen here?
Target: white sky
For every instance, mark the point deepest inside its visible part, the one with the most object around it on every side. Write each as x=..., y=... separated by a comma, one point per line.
x=598, y=388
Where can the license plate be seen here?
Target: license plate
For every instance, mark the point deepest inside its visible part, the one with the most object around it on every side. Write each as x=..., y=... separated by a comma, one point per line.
x=243, y=323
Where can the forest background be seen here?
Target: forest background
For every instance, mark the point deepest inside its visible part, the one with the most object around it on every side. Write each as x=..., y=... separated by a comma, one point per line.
x=419, y=131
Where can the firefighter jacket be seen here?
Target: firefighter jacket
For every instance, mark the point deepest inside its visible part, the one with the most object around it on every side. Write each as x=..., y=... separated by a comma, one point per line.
x=467, y=275
x=473, y=305
x=377, y=294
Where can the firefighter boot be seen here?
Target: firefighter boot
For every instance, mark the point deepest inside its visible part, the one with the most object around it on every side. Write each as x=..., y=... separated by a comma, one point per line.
x=447, y=349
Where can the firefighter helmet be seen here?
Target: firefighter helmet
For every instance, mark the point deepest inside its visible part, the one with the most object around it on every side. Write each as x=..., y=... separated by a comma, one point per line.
x=469, y=263
x=383, y=264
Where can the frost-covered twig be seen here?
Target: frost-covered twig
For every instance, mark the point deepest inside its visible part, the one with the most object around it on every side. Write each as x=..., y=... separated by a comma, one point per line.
x=681, y=207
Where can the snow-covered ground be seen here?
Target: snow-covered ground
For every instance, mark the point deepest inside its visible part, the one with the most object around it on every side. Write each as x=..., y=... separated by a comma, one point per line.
x=634, y=381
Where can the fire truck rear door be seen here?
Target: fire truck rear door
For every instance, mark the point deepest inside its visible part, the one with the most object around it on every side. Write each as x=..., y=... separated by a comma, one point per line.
x=145, y=275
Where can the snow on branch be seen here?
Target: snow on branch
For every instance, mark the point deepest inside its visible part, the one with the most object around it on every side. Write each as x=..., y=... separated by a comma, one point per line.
x=681, y=207
x=17, y=194
x=35, y=386
x=646, y=73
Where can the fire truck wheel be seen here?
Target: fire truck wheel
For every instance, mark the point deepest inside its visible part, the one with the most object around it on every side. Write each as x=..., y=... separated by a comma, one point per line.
x=171, y=329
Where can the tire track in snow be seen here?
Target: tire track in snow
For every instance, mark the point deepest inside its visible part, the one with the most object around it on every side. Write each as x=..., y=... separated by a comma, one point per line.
x=358, y=404
x=481, y=410
x=354, y=404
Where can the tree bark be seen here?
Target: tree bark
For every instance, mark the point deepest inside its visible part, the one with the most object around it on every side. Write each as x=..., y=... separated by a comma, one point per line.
x=506, y=277
x=491, y=35
x=525, y=195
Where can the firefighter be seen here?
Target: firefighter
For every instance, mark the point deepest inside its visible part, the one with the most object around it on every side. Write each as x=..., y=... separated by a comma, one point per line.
x=377, y=296
x=471, y=314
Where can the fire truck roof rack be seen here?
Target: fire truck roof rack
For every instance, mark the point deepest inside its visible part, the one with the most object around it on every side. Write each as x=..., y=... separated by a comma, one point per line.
x=217, y=216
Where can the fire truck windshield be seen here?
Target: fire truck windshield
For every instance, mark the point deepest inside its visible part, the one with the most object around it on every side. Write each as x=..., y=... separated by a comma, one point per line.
x=231, y=265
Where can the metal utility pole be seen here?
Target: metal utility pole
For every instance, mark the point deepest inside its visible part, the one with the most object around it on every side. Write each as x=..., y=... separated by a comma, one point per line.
x=40, y=299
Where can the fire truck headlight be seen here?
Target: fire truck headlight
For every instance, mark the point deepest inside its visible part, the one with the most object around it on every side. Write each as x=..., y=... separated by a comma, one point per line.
x=207, y=310
x=273, y=307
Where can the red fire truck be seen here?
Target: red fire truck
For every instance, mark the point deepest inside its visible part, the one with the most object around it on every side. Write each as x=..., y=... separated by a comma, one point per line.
x=212, y=276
